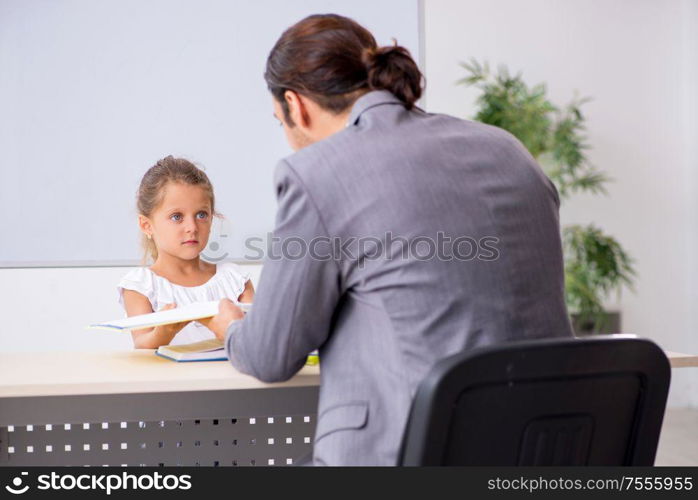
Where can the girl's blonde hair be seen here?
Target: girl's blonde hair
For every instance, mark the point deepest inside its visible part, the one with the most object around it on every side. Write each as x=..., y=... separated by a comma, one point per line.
x=152, y=190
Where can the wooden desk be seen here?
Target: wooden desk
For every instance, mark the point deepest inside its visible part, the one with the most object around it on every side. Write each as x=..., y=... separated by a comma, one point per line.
x=135, y=408
x=679, y=360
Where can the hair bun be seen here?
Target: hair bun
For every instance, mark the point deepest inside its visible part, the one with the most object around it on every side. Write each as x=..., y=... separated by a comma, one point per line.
x=375, y=55
x=329, y=58
x=392, y=68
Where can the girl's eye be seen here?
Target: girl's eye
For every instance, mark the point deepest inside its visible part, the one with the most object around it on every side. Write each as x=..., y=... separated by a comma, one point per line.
x=202, y=215
x=176, y=217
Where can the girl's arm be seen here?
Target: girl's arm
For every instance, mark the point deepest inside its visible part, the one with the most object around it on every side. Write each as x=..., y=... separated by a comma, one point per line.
x=248, y=294
x=152, y=338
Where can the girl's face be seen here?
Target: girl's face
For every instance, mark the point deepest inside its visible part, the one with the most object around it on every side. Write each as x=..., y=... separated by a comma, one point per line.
x=181, y=225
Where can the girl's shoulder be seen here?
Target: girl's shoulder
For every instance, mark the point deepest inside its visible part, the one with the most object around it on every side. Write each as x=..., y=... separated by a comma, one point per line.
x=230, y=269
x=230, y=280
x=141, y=275
x=141, y=280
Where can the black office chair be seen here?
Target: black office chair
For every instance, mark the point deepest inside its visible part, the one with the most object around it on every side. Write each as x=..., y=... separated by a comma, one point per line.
x=592, y=401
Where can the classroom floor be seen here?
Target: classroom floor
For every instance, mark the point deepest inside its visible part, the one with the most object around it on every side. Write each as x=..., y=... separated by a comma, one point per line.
x=678, y=443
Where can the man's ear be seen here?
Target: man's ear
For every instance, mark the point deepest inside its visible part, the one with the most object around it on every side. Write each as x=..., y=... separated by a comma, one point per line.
x=297, y=108
x=145, y=225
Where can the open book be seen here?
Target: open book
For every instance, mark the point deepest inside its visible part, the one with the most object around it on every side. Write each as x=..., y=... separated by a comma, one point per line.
x=206, y=350
x=189, y=312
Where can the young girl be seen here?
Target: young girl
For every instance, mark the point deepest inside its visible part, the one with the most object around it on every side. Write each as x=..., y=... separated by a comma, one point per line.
x=176, y=206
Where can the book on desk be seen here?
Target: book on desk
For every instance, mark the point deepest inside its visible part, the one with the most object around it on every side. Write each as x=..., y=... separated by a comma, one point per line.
x=205, y=350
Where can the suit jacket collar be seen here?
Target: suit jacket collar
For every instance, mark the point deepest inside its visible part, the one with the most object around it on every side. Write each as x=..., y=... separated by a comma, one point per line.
x=370, y=100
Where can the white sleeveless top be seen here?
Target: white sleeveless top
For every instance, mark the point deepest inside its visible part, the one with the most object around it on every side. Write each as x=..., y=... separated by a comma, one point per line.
x=228, y=283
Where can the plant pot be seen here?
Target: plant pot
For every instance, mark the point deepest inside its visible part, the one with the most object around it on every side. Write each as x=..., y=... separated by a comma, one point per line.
x=609, y=322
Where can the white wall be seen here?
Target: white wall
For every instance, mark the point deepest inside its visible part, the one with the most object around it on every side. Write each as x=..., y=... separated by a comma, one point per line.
x=638, y=59
x=93, y=93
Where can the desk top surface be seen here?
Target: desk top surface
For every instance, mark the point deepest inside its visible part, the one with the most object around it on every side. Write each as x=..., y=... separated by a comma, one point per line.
x=140, y=370
x=119, y=372
x=681, y=360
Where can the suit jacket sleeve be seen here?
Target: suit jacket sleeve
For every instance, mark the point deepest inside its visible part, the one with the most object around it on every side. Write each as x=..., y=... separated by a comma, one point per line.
x=298, y=291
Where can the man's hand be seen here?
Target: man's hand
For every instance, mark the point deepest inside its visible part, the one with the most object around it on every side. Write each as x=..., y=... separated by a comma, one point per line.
x=227, y=313
x=172, y=329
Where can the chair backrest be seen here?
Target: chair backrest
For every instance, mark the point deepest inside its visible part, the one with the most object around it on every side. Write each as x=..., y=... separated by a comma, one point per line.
x=592, y=401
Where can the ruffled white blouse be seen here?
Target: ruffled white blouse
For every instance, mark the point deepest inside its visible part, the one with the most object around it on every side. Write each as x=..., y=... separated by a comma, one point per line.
x=228, y=283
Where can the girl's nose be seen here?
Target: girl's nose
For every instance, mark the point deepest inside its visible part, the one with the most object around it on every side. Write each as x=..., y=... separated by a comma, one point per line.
x=190, y=226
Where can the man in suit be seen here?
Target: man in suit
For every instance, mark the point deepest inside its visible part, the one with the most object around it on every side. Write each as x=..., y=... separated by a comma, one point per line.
x=401, y=237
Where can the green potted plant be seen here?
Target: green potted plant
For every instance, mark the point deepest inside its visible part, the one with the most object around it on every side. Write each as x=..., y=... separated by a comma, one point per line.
x=595, y=263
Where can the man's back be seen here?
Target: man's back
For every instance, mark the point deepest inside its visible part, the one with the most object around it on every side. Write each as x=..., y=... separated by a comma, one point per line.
x=445, y=237
x=469, y=253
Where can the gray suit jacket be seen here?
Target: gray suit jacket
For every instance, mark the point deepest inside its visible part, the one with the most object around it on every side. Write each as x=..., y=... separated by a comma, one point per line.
x=400, y=240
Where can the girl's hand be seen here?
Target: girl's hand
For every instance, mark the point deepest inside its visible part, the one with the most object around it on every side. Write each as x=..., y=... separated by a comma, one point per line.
x=173, y=328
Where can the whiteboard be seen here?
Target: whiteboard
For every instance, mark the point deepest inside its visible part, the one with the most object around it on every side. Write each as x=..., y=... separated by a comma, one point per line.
x=94, y=93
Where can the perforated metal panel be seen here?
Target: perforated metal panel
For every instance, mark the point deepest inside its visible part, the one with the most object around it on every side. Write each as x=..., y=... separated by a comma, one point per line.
x=276, y=439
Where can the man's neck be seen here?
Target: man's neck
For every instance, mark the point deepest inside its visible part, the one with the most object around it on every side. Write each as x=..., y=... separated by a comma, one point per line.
x=330, y=123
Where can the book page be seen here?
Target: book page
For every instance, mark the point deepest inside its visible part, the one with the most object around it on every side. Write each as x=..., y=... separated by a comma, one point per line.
x=203, y=346
x=189, y=312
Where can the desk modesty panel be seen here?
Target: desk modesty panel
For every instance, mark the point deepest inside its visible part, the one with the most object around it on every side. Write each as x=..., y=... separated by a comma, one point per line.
x=135, y=408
